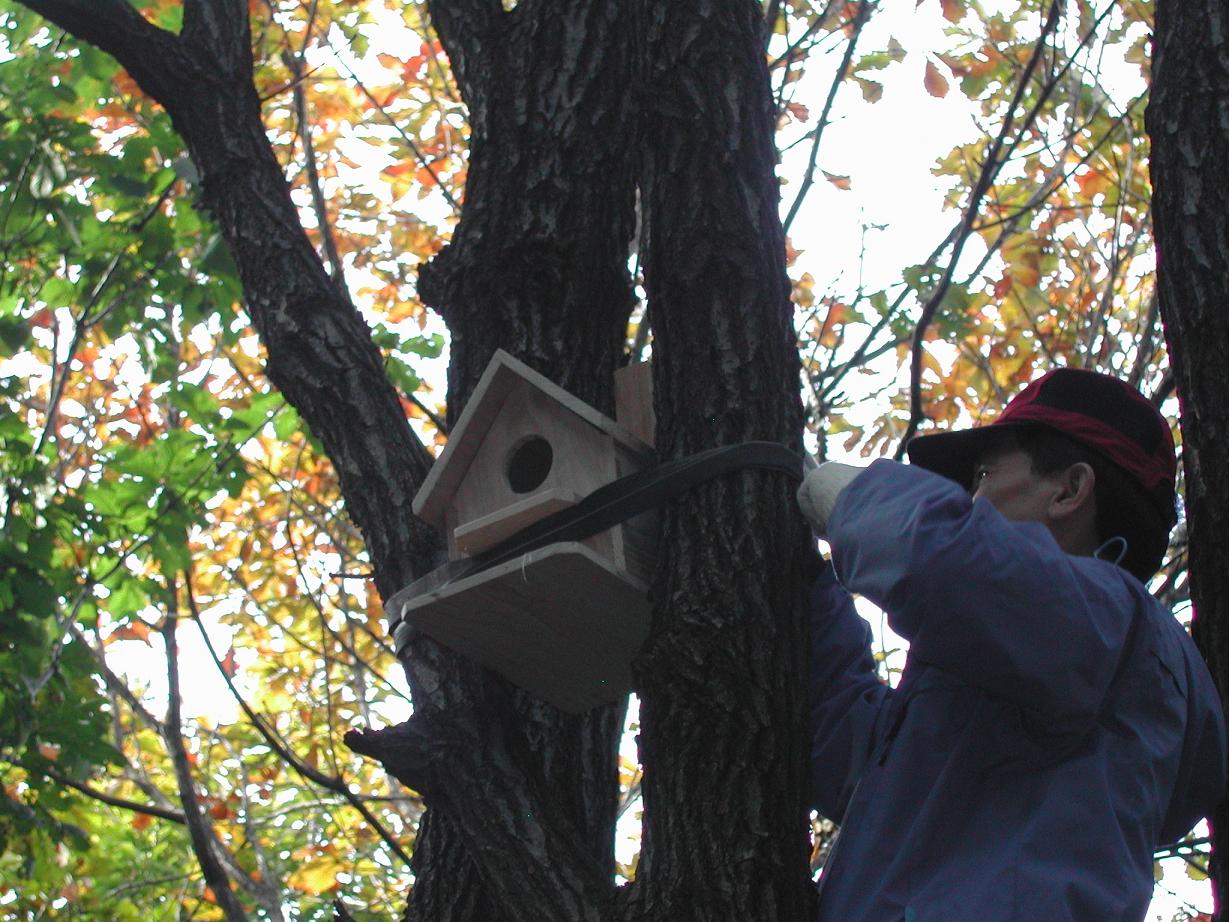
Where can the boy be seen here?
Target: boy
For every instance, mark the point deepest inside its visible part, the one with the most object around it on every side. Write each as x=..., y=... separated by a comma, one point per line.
x=1053, y=725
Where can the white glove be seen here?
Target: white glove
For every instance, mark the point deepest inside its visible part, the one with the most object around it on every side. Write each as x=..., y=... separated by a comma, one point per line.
x=819, y=491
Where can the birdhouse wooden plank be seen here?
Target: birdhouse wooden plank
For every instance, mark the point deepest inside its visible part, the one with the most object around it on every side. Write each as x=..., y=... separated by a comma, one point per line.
x=561, y=622
x=634, y=401
x=565, y=620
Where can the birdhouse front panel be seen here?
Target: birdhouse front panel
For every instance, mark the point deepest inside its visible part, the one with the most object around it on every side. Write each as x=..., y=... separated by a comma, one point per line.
x=536, y=458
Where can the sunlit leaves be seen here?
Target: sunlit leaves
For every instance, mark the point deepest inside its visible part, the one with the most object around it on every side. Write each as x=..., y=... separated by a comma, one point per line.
x=144, y=456
x=1059, y=270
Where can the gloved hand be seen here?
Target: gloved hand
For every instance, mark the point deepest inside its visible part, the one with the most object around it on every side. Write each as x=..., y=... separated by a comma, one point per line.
x=819, y=491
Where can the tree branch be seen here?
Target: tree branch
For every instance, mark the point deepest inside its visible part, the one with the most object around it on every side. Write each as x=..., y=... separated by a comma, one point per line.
x=173, y=816
x=115, y=26
x=106, y=24
x=294, y=62
x=336, y=784
x=404, y=135
x=202, y=836
x=859, y=20
x=464, y=27
x=990, y=169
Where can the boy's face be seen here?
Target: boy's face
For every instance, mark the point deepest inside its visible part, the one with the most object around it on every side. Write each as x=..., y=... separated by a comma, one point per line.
x=1004, y=477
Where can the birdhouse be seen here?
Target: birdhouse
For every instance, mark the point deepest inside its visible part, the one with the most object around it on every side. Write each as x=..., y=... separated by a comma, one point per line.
x=563, y=621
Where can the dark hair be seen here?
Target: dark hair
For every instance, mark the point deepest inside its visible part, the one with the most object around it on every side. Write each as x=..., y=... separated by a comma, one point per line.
x=1123, y=508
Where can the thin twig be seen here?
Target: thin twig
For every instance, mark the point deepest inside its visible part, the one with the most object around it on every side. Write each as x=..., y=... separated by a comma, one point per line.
x=334, y=784
x=842, y=72
x=296, y=66
x=410, y=143
x=204, y=841
x=990, y=169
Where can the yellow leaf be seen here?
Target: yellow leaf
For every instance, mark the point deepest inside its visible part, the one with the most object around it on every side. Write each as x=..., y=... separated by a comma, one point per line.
x=136, y=630
x=872, y=90
x=1025, y=275
x=1092, y=183
x=316, y=876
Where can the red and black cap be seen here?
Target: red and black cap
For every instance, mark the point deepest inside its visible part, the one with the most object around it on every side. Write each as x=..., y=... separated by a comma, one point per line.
x=1099, y=412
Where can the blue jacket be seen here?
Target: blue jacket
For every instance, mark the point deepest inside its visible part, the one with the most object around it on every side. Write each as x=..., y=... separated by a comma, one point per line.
x=1053, y=725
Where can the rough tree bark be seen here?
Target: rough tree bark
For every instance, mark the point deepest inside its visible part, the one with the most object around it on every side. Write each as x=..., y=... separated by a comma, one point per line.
x=720, y=677
x=1188, y=122
x=572, y=103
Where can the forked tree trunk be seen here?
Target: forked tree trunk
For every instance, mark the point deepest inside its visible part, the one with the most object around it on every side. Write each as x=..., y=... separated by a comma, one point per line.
x=1188, y=121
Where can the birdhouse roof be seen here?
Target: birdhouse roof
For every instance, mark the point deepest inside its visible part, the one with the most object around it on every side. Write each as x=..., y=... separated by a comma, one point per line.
x=497, y=382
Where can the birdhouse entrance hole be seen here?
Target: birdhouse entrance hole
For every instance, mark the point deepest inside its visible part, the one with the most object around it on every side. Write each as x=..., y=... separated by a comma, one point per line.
x=529, y=464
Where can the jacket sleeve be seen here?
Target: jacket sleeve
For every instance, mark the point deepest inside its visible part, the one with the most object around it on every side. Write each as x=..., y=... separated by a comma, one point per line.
x=994, y=602
x=845, y=695
x=1200, y=784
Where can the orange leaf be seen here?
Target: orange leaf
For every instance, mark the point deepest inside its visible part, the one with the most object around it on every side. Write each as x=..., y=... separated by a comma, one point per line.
x=141, y=820
x=43, y=318
x=229, y=666
x=49, y=751
x=137, y=630
x=219, y=811
x=936, y=83
x=953, y=10
x=426, y=176
x=406, y=166
x=1093, y=182
x=798, y=111
x=841, y=182
x=125, y=85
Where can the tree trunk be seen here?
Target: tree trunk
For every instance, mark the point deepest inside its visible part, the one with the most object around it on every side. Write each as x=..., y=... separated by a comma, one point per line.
x=537, y=267
x=1188, y=121
x=723, y=740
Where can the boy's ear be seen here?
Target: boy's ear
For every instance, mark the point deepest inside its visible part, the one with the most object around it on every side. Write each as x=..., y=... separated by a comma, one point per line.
x=1075, y=490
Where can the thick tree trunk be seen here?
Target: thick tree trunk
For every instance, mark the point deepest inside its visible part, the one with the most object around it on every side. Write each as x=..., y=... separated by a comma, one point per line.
x=538, y=267
x=1188, y=121
x=721, y=678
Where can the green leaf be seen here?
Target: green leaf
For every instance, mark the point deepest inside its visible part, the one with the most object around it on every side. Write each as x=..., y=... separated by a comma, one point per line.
x=286, y=423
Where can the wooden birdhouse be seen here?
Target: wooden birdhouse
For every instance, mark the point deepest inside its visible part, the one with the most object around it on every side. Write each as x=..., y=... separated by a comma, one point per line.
x=563, y=621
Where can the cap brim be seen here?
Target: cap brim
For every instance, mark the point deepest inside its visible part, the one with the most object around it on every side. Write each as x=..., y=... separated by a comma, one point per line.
x=954, y=454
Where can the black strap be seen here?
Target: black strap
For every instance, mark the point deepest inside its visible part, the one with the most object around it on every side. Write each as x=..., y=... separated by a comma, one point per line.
x=605, y=507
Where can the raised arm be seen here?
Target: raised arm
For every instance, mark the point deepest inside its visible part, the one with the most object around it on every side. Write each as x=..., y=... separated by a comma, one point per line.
x=997, y=603
x=844, y=695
